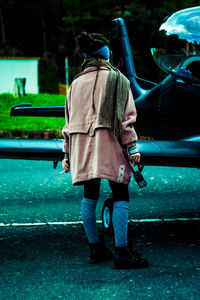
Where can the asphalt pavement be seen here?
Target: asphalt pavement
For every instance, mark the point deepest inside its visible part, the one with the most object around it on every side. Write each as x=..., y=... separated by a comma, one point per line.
x=44, y=251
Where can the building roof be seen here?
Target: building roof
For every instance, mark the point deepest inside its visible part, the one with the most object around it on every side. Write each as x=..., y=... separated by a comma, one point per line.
x=19, y=57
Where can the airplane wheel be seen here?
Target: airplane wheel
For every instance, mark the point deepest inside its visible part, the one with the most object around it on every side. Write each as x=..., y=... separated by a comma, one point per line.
x=107, y=215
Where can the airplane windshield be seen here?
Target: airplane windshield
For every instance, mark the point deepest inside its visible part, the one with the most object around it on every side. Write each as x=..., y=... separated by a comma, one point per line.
x=176, y=45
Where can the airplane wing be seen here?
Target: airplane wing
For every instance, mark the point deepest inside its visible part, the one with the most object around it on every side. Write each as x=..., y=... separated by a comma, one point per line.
x=154, y=153
x=170, y=153
x=26, y=109
x=31, y=149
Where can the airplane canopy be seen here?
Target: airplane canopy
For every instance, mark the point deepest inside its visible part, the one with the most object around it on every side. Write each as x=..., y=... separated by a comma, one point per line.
x=176, y=45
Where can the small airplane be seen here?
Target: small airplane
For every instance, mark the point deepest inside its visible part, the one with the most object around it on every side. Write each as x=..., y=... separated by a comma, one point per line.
x=168, y=123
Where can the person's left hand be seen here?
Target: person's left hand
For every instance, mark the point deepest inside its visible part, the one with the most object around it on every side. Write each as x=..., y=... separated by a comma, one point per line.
x=135, y=158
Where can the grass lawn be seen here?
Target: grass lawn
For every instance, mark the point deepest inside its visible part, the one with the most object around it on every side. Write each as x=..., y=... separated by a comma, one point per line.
x=7, y=101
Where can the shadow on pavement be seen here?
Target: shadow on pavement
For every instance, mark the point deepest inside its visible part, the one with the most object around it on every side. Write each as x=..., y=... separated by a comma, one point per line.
x=52, y=263
x=43, y=242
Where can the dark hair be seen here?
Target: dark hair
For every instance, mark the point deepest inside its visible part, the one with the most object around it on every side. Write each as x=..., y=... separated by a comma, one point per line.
x=90, y=42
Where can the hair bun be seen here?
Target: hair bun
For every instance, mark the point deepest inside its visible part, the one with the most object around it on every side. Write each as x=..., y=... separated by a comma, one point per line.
x=85, y=41
x=90, y=42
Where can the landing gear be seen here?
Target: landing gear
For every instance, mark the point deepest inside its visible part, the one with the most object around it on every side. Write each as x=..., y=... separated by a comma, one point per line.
x=107, y=215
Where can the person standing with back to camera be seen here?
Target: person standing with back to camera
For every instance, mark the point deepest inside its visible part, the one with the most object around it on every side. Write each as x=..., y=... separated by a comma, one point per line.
x=99, y=113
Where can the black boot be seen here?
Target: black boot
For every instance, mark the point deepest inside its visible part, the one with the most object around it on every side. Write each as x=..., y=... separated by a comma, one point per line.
x=127, y=258
x=99, y=252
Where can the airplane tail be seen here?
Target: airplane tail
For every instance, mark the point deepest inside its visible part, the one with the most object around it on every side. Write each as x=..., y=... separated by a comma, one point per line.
x=122, y=56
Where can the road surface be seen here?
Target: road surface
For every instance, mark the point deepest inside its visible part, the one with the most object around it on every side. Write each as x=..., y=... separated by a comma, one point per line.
x=44, y=251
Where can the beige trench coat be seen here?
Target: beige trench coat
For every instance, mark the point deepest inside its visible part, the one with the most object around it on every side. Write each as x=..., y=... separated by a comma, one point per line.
x=92, y=149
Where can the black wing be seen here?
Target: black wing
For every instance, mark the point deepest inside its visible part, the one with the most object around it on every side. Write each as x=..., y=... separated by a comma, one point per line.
x=154, y=153
x=31, y=149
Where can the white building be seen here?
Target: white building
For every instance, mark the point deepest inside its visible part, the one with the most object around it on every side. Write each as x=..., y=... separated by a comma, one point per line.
x=14, y=68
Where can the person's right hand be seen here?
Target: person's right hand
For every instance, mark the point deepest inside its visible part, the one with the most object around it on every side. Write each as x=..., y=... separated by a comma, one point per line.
x=66, y=165
x=135, y=158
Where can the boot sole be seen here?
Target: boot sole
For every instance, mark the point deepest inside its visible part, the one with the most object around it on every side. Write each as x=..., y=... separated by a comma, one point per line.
x=123, y=265
x=99, y=260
